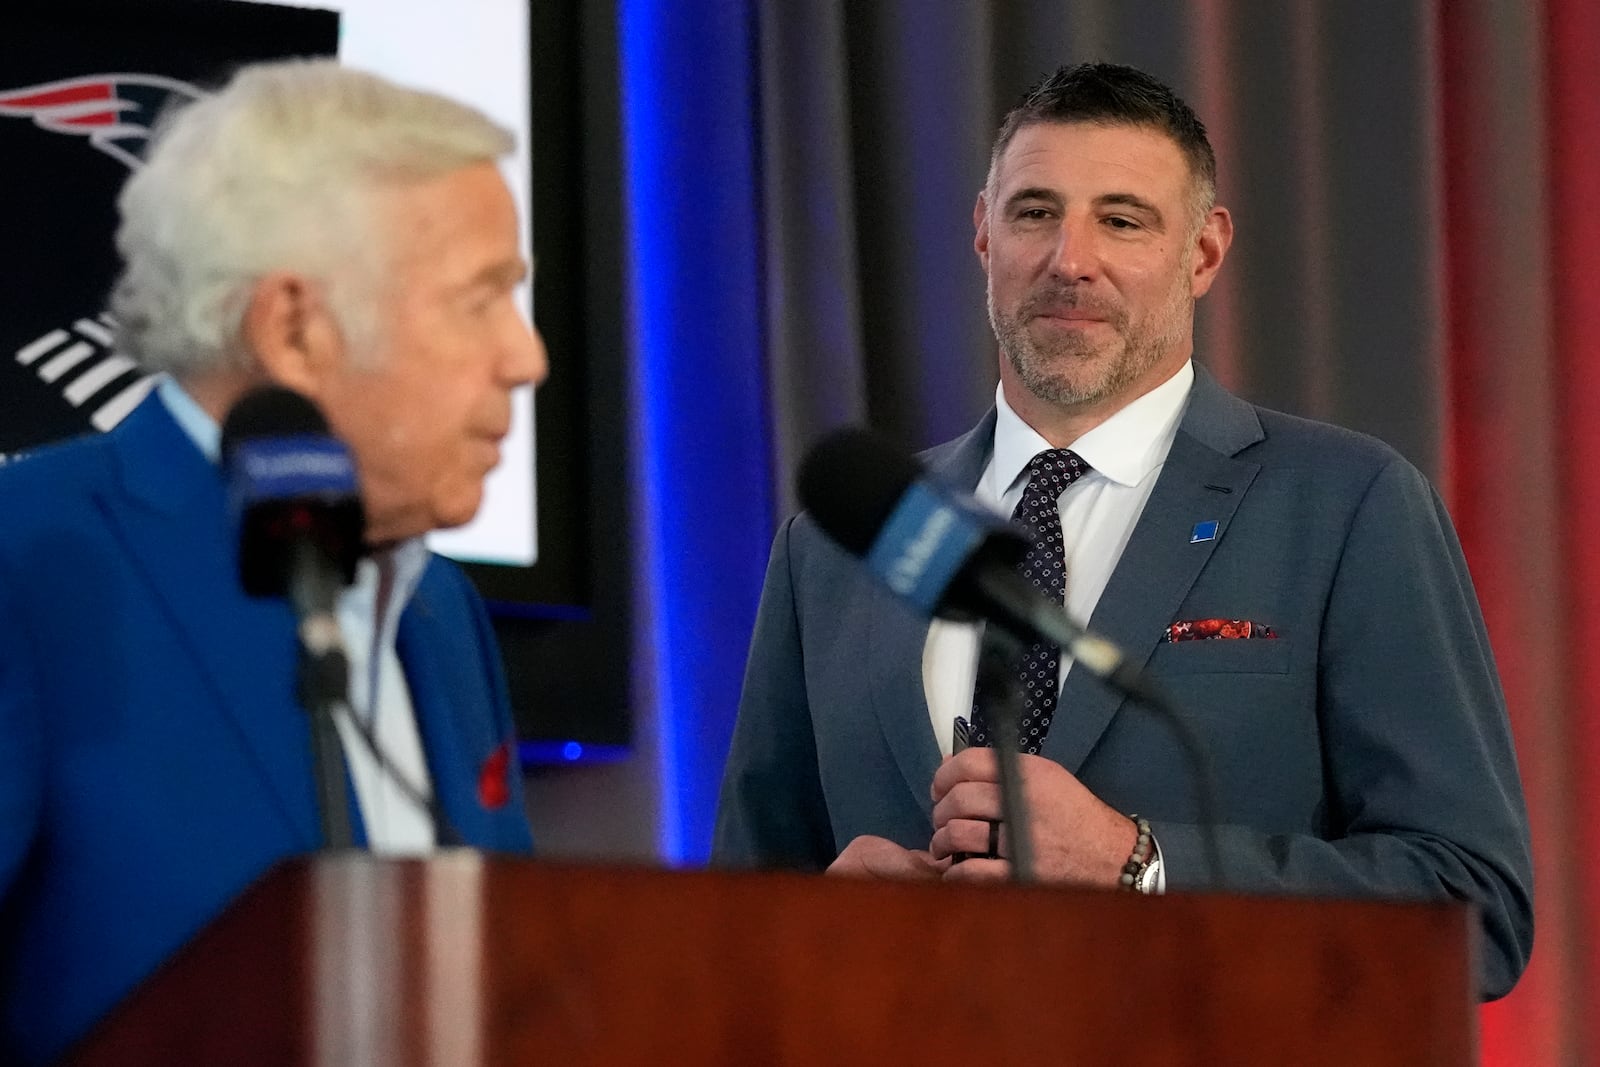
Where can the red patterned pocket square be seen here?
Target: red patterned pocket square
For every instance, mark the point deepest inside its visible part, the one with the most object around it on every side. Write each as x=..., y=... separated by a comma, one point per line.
x=1215, y=630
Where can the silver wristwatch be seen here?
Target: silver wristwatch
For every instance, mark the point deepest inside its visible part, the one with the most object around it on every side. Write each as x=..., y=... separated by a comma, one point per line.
x=1149, y=878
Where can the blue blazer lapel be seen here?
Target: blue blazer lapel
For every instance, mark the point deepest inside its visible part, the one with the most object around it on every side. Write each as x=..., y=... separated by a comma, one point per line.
x=1201, y=481
x=896, y=635
x=168, y=508
x=452, y=705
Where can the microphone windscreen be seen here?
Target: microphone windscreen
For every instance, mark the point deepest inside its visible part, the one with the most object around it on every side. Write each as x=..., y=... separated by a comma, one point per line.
x=919, y=536
x=290, y=483
x=270, y=411
x=851, y=482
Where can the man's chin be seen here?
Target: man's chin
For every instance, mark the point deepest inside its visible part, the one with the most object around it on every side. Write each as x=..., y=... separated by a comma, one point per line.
x=422, y=519
x=459, y=513
x=1069, y=394
x=1073, y=380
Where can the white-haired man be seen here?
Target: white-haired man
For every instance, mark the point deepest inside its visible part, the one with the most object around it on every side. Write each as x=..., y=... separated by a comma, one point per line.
x=325, y=230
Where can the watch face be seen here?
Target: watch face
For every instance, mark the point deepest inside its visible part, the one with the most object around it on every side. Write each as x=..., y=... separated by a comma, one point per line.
x=1148, y=878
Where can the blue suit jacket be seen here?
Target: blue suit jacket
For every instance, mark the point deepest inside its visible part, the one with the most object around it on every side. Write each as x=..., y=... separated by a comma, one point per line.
x=1366, y=751
x=153, y=759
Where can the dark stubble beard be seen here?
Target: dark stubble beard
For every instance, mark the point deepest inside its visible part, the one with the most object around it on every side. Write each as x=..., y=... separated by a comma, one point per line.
x=1070, y=370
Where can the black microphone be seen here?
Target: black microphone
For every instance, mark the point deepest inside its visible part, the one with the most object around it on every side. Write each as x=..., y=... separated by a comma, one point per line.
x=942, y=550
x=952, y=557
x=293, y=487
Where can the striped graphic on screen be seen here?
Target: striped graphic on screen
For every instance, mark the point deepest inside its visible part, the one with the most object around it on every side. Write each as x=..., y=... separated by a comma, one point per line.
x=82, y=363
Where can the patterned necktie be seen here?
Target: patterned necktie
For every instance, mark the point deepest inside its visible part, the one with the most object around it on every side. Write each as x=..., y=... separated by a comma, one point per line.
x=1049, y=474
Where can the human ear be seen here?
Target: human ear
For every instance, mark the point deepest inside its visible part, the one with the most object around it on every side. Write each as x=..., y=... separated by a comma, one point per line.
x=980, y=226
x=290, y=332
x=1210, y=249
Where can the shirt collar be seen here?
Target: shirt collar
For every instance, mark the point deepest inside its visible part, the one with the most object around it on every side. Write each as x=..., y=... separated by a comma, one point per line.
x=191, y=418
x=407, y=561
x=1125, y=448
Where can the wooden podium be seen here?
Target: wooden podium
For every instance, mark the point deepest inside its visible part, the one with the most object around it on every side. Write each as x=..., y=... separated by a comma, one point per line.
x=466, y=959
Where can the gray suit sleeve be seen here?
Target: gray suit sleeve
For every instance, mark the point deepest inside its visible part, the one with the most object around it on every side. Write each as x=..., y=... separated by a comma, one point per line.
x=1422, y=782
x=771, y=811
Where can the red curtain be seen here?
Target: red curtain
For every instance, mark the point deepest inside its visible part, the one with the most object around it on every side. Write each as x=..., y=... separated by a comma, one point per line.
x=1573, y=108
x=1520, y=113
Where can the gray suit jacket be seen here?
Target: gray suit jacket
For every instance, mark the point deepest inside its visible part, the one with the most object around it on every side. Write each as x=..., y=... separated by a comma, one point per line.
x=1365, y=751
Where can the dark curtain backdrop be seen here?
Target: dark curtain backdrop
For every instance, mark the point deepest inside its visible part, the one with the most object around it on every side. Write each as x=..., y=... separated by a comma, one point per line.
x=1413, y=186
x=876, y=122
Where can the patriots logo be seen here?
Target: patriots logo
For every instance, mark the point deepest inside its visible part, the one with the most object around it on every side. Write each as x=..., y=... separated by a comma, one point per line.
x=114, y=111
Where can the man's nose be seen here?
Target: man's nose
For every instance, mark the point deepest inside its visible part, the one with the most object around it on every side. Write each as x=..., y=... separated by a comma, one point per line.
x=525, y=358
x=1075, y=256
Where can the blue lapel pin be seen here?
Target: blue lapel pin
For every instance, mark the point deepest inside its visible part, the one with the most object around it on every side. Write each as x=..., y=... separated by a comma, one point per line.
x=1203, y=531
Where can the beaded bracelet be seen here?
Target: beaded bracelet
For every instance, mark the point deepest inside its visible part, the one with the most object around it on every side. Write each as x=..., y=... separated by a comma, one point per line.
x=1129, y=879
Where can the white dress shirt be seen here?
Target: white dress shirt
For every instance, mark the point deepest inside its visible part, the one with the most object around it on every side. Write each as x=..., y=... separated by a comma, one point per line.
x=1098, y=513
x=395, y=824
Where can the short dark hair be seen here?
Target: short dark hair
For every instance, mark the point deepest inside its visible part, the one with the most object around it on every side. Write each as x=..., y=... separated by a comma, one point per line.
x=1114, y=95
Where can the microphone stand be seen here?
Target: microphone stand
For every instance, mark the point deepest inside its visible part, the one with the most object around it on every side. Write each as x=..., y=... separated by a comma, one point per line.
x=999, y=656
x=324, y=682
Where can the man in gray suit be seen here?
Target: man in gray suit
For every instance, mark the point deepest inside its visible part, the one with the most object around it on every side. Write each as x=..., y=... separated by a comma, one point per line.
x=1297, y=588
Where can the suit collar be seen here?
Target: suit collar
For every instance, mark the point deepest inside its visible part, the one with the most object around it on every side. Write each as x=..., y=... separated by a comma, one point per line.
x=1214, y=418
x=1217, y=419
x=158, y=465
x=961, y=462
x=196, y=423
x=1124, y=447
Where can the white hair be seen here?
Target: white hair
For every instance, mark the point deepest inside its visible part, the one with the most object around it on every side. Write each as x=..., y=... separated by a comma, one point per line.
x=278, y=171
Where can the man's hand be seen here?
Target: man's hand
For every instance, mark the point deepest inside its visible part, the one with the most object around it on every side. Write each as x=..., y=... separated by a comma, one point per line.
x=1076, y=836
x=878, y=857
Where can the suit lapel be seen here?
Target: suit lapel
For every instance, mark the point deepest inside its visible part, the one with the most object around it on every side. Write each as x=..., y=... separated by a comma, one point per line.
x=441, y=686
x=169, y=509
x=1199, y=482
x=896, y=636
x=895, y=640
